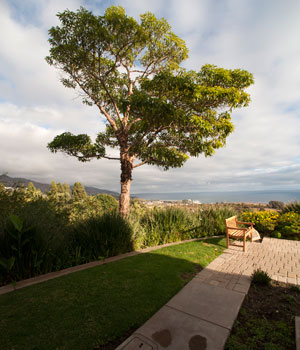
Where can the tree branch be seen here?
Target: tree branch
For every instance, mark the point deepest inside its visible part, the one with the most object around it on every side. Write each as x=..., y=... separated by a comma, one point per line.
x=111, y=158
x=140, y=164
x=108, y=117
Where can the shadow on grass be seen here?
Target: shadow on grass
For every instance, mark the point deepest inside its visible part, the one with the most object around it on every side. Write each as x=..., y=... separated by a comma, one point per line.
x=100, y=305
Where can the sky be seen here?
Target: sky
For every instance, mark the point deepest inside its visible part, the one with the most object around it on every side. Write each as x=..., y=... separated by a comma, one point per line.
x=263, y=153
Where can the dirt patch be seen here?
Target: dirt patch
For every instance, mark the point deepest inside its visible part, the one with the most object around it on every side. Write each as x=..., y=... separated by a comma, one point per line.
x=267, y=318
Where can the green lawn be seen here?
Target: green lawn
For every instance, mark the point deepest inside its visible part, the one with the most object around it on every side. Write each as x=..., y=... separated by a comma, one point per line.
x=89, y=308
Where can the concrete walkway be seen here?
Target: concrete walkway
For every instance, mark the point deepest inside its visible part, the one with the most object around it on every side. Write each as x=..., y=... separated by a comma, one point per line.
x=202, y=314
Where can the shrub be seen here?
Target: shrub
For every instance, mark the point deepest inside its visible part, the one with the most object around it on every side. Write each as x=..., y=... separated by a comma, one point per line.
x=22, y=250
x=167, y=225
x=91, y=206
x=293, y=206
x=276, y=234
x=260, y=277
x=108, y=203
x=212, y=220
x=289, y=225
x=100, y=237
x=276, y=205
x=265, y=221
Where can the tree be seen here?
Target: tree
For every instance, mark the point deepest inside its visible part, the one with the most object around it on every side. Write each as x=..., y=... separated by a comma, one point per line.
x=67, y=191
x=53, y=189
x=156, y=112
x=32, y=193
x=78, y=192
x=60, y=188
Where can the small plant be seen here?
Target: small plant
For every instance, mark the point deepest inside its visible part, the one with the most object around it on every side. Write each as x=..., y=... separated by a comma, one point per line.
x=276, y=234
x=295, y=289
x=260, y=277
x=289, y=299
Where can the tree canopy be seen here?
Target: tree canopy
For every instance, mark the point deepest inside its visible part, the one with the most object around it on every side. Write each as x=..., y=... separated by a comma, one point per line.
x=156, y=112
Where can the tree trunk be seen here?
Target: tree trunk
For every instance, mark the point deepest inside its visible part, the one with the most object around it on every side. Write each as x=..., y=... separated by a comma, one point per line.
x=126, y=177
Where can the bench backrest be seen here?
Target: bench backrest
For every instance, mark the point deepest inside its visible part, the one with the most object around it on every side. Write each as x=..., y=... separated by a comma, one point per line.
x=231, y=222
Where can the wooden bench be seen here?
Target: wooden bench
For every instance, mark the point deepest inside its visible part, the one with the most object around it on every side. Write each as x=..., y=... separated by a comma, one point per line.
x=233, y=231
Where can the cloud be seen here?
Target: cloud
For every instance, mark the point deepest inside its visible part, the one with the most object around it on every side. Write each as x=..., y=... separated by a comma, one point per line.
x=262, y=37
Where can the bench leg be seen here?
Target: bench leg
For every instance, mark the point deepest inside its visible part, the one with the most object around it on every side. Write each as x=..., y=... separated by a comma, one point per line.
x=227, y=240
x=244, y=243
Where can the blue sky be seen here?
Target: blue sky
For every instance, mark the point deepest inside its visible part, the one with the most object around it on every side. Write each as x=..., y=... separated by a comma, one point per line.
x=260, y=36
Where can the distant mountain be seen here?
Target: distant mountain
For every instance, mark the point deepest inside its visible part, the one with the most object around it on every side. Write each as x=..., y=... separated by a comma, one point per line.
x=18, y=181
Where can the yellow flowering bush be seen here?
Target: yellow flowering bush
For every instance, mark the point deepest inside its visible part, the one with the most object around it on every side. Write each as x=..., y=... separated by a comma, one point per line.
x=289, y=225
x=265, y=221
x=286, y=225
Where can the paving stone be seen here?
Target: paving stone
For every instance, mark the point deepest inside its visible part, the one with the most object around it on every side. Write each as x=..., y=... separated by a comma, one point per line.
x=244, y=280
x=175, y=330
x=214, y=304
x=292, y=280
x=281, y=279
x=213, y=282
x=241, y=288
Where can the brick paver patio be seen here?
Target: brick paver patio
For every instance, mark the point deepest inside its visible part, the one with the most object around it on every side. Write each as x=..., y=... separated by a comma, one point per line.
x=280, y=258
x=202, y=314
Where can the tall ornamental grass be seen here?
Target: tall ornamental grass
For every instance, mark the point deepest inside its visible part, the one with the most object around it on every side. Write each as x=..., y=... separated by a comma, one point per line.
x=100, y=237
x=40, y=234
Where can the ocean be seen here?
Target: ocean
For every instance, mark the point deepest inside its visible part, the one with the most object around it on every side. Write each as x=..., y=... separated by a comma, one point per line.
x=226, y=197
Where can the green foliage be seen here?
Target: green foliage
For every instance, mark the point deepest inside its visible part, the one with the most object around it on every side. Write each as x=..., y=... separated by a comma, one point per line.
x=21, y=249
x=156, y=111
x=167, y=225
x=31, y=188
x=212, y=220
x=100, y=237
x=159, y=226
x=265, y=221
x=260, y=277
x=67, y=191
x=289, y=225
x=91, y=206
x=295, y=289
x=286, y=225
x=78, y=192
x=53, y=189
x=293, y=206
x=45, y=233
x=107, y=202
x=276, y=234
x=276, y=205
x=2, y=188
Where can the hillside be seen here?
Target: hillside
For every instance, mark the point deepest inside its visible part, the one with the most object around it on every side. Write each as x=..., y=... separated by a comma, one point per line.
x=18, y=181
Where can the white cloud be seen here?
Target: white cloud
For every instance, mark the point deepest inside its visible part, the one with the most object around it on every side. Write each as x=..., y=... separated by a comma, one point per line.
x=262, y=37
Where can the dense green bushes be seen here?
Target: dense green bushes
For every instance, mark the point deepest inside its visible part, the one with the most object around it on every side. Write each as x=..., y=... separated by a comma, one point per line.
x=43, y=233
x=265, y=221
x=293, y=206
x=279, y=225
x=100, y=237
